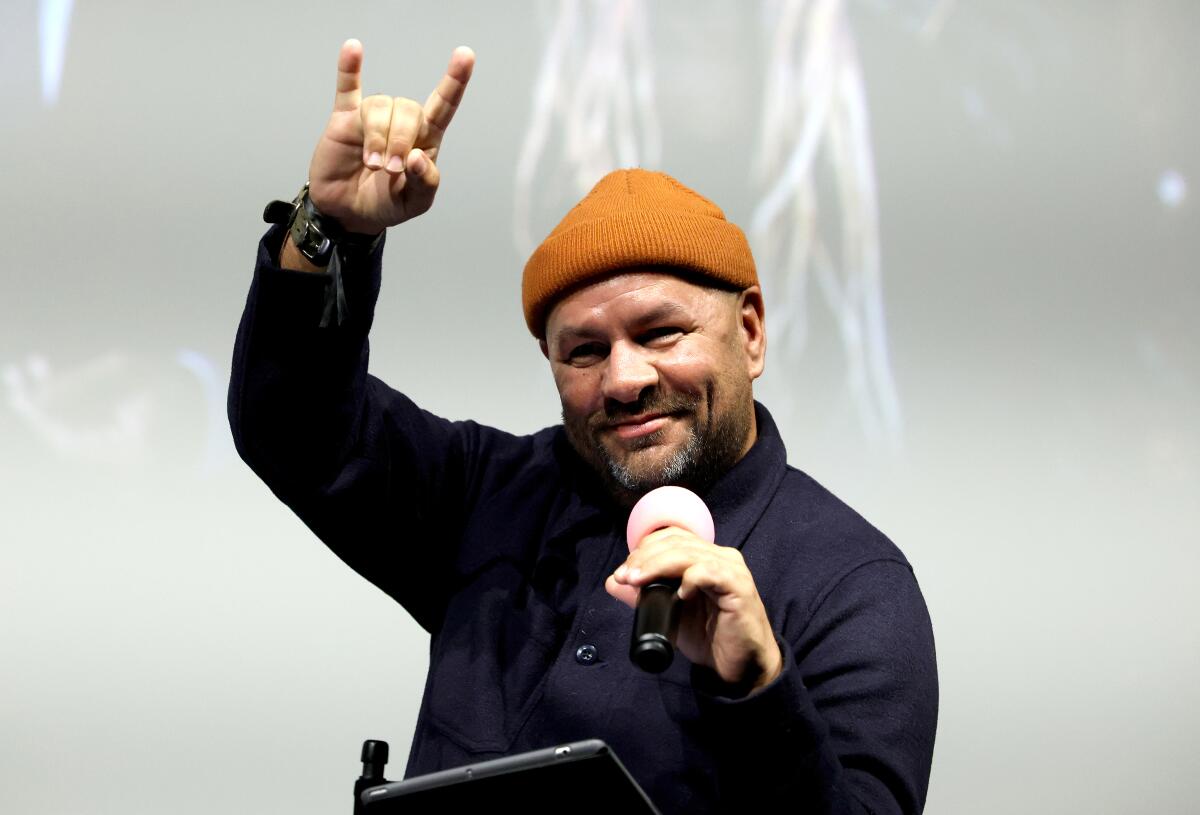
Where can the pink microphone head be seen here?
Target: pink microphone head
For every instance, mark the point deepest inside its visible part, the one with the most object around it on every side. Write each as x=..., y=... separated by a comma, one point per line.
x=669, y=506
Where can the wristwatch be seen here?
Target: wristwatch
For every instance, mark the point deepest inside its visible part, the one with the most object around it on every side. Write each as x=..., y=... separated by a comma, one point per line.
x=324, y=242
x=315, y=234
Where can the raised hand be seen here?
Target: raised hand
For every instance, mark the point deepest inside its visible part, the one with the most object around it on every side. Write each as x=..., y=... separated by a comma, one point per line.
x=376, y=163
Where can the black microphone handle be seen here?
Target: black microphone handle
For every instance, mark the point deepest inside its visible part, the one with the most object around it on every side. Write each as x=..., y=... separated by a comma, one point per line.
x=655, y=621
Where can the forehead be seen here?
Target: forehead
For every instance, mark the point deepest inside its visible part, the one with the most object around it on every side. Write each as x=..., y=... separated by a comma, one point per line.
x=631, y=296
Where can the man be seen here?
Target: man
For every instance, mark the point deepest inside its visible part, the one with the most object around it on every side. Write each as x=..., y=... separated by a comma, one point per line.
x=807, y=678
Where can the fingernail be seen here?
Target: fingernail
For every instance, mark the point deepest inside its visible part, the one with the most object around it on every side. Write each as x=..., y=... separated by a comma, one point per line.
x=374, y=161
x=395, y=165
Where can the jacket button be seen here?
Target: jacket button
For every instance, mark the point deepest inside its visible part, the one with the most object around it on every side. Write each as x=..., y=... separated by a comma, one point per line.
x=585, y=654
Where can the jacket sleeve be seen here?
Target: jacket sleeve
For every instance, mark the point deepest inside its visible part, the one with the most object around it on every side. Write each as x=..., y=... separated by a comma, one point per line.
x=848, y=727
x=368, y=471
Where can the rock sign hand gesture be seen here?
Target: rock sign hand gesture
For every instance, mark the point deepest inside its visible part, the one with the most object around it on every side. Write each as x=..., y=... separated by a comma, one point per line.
x=376, y=163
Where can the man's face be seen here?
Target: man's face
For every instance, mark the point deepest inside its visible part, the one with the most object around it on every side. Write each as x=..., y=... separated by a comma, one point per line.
x=654, y=373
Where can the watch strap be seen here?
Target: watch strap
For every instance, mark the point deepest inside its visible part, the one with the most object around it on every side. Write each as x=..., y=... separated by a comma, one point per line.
x=313, y=232
x=324, y=242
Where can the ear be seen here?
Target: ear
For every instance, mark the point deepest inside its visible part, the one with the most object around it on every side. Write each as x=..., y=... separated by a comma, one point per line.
x=752, y=330
x=545, y=348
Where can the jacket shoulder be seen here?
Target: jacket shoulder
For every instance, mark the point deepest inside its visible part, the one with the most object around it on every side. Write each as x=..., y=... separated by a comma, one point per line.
x=808, y=540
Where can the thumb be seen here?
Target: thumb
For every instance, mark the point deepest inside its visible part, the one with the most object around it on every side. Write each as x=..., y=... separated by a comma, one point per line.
x=626, y=594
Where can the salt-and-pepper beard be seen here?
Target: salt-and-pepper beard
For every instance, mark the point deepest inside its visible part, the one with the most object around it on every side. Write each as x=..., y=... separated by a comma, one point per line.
x=714, y=444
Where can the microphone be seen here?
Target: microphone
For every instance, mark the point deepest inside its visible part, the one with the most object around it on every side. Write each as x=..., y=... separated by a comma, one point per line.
x=656, y=617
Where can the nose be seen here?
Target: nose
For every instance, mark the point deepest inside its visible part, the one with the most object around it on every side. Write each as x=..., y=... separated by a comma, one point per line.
x=628, y=373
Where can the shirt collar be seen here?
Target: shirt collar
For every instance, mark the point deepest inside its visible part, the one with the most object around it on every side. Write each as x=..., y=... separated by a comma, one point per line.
x=737, y=500
x=740, y=497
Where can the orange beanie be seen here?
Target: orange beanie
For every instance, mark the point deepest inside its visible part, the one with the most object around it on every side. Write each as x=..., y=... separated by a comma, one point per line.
x=634, y=218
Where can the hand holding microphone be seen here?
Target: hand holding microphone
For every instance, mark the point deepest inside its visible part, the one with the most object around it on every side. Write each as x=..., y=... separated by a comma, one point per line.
x=719, y=619
x=656, y=615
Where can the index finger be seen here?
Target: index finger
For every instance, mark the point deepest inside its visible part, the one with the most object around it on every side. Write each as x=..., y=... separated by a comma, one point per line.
x=349, y=77
x=672, y=536
x=443, y=102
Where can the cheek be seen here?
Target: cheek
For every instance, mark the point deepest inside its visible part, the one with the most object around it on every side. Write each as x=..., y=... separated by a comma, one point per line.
x=577, y=390
x=688, y=371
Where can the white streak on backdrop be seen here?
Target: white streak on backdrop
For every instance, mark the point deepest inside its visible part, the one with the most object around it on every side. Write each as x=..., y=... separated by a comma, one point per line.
x=593, y=107
x=935, y=20
x=814, y=109
x=593, y=111
x=43, y=397
x=212, y=387
x=124, y=409
x=1172, y=189
x=54, y=23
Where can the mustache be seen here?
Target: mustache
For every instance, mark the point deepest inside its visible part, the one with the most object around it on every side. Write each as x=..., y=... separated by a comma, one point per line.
x=653, y=402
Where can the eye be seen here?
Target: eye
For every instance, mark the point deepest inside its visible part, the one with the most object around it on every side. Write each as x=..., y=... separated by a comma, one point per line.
x=660, y=336
x=586, y=353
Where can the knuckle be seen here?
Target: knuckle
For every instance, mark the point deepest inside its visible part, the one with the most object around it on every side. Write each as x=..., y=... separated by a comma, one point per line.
x=647, y=544
x=671, y=536
x=662, y=537
x=406, y=113
x=377, y=103
x=714, y=572
x=404, y=104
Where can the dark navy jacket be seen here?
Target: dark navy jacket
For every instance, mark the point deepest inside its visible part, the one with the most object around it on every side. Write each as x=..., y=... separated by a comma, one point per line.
x=499, y=546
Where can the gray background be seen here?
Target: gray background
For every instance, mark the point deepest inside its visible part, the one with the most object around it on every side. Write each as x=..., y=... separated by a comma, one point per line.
x=168, y=629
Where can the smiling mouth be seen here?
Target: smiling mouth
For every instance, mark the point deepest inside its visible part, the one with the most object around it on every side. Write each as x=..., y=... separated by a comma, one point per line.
x=642, y=424
x=637, y=427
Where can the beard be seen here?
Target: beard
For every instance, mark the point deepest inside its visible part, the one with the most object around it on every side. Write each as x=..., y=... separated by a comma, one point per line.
x=714, y=443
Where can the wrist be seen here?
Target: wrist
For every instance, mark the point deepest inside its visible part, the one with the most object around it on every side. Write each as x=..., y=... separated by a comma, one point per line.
x=773, y=668
x=313, y=237
x=757, y=674
x=291, y=258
